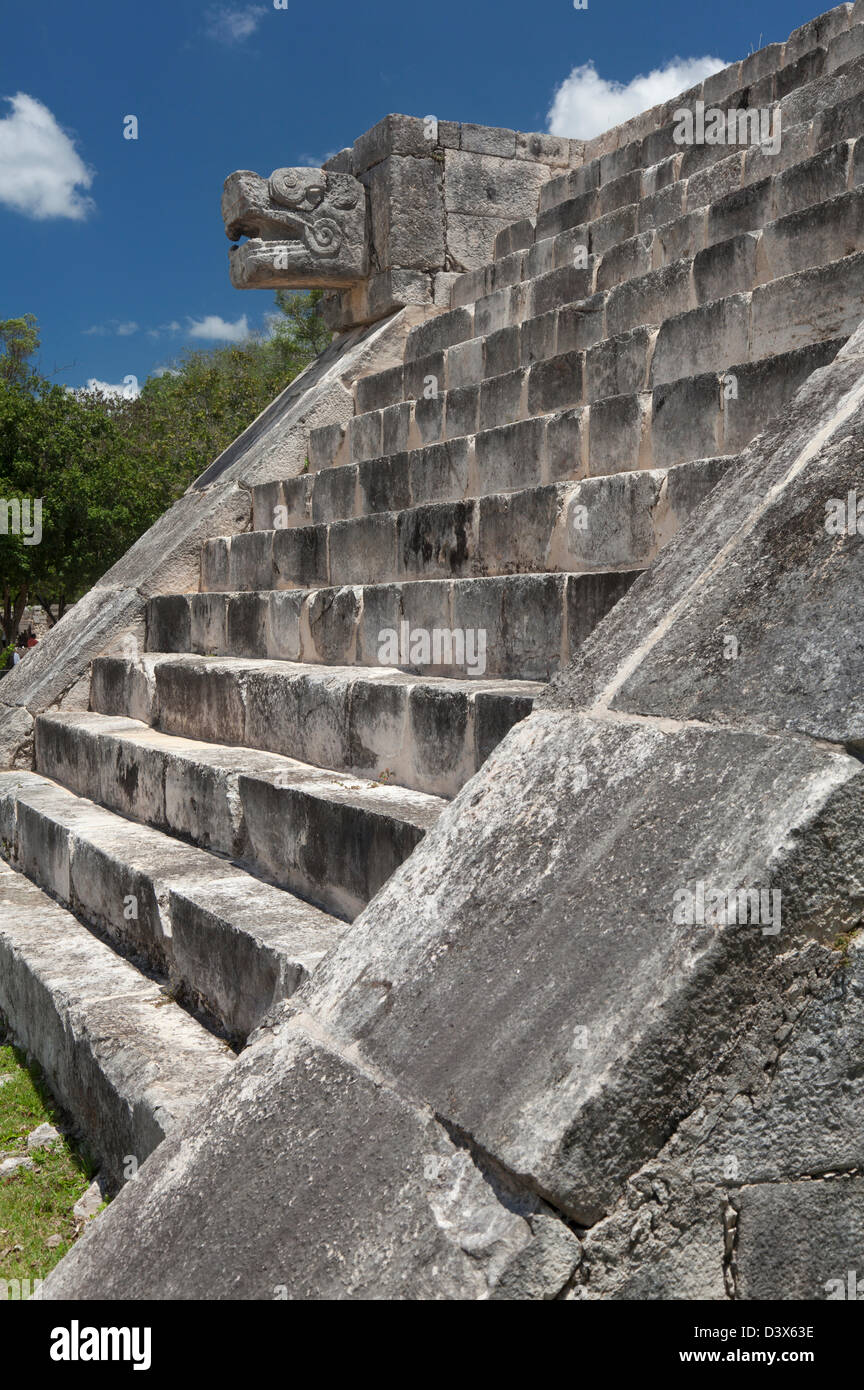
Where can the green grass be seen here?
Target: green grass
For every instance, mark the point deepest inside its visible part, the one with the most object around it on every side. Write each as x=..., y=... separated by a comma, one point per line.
x=35, y=1205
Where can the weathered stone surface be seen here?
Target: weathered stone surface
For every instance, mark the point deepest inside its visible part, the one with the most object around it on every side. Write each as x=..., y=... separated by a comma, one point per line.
x=322, y=834
x=525, y=976
x=798, y=672
x=201, y=922
x=409, y=1214
x=408, y=227
x=549, y=1113
x=128, y=1063
x=329, y=716
x=305, y=227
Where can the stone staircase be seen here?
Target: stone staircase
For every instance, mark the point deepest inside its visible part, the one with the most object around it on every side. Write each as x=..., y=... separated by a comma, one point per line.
x=189, y=847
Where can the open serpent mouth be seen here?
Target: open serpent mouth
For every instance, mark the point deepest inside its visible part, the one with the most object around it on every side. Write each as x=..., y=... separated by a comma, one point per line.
x=297, y=227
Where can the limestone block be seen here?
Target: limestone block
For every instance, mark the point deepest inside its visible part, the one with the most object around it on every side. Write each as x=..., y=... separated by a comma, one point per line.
x=822, y=303
x=627, y=261
x=502, y=399
x=437, y=541
x=616, y=226
x=537, y=338
x=619, y=434
x=845, y=47
x=582, y=325
x=817, y=32
x=686, y=420
x=335, y=492
x=485, y=186
x=712, y=337
x=471, y=237
x=813, y=237
x=246, y=625
x=454, y=1232
x=825, y=175
x=384, y=486
x=440, y=473
x=407, y=213
x=593, y=1051
x=330, y=618
x=556, y=382
x=515, y=529
x=510, y=457
x=761, y=63
x=502, y=350
x=619, y=366
x=208, y=617
x=799, y=1240
x=746, y=209
x=567, y=445
x=365, y=436
x=465, y=366
x=483, y=139
x=283, y=624
x=394, y=135
x=552, y=150
x=516, y=236
x=681, y=238
x=438, y=333
x=379, y=389
x=651, y=299
x=463, y=411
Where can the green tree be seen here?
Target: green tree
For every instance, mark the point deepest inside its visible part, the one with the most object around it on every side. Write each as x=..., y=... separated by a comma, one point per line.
x=105, y=469
x=19, y=339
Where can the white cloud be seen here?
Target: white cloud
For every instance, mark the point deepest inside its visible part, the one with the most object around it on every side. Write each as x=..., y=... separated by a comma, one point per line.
x=169, y=328
x=235, y=25
x=311, y=161
x=123, y=330
x=217, y=329
x=128, y=389
x=42, y=174
x=586, y=104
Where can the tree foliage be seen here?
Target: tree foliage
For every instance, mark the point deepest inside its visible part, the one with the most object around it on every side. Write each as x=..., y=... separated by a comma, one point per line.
x=104, y=468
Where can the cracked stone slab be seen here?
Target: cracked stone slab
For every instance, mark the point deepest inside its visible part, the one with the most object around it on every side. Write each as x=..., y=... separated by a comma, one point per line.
x=404, y=1214
x=525, y=971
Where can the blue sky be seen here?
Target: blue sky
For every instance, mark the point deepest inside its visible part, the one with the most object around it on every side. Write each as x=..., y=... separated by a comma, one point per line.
x=129, y=264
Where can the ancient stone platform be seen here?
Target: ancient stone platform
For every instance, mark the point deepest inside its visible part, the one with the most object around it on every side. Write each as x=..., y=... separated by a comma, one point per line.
x=408, y=895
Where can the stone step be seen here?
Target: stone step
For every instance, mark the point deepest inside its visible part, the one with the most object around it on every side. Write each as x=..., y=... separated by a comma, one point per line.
x=552, y=418
x=529, y=453
x=566, y=310
x=756, y=320
x=431, y=733
x=327, y=836
x=201, y=923
x=534, y=623
x=694, y=215
x=803, y=91
x=592, y=525
x=124, y=1061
